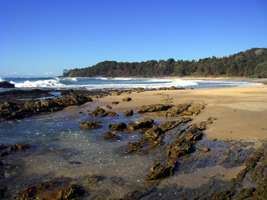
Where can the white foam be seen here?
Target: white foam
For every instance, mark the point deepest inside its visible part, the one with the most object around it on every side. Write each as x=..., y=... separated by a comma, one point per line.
x=50, y=83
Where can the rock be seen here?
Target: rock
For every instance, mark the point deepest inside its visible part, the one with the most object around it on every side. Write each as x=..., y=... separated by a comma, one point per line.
x=118, y=127
x=111, y=114
x=115, y=102
x=175, y=111
x=6, y=84
x=135, y=146
x=127, y=99
x=204, y=149
x=128, y=113
x=168, y=125
x=111, y=136
x=5, y=150
x=90, y=125
x=57, y=189
x=154, y=108
x=109, y=107
x=153, y=135
x=141, y=124
x=159, y=171
x=99, y=112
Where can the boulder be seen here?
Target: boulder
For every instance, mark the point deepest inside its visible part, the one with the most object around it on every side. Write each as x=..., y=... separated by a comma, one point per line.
x=6, y=84
x=99, y=112
x=159, y=171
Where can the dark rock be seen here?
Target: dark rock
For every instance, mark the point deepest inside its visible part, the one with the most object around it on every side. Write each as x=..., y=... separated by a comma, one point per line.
x=111, y=136
x=6, y=84
x=141, y=124
x=154, y=108
x=90, y=125
x=127, y=99
x=153, y=135
x=128, y=113
x=111, y=114
x=135, y=146
x=115, y=102
x=109, y=106
x=118, y=127
x=99, y=112
x=168, y=125
x=159, y=171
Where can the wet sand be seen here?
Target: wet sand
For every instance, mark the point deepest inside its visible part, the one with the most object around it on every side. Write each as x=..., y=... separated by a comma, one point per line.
x=241, y=112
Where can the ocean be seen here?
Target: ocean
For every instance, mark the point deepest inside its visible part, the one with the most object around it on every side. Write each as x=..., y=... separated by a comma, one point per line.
x=118, y=83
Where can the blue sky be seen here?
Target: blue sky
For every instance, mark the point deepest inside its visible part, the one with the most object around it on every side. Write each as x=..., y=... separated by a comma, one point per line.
x=40, y=37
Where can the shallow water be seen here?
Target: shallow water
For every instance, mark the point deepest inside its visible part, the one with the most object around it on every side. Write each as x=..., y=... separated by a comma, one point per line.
x=61, y=148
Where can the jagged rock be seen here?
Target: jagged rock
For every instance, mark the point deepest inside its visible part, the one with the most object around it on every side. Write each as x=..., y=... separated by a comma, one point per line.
x=185, y=109
x=177, y=110
x=153, y=134
x=141, y=124
x=128, y=113
x=168, y=125
x=127, y=99
x=111, y=136
x=57, y=189
x=118, y=127
x=9, y=110
x=135, y=146
x=90, y=125
x=158, y=171
x=6, y=84
x=154, y=108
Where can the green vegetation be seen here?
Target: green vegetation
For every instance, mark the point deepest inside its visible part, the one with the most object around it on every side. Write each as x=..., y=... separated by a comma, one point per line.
x=250, y=63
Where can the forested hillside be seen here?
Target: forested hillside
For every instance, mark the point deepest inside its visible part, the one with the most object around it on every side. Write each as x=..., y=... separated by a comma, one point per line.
x=250, y=63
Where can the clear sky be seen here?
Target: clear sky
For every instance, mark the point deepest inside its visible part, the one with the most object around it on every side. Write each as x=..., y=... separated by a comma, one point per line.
x=40, y=37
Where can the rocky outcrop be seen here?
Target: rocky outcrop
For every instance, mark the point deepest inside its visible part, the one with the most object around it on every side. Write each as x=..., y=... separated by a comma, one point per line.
x=11, y=110
x=154, y=108
x=6, y=84
x=128, y=113
x=57, y=189
x=140, y=124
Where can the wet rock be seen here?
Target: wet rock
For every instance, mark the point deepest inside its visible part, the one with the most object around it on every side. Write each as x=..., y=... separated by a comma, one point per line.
x=57, y=189
x=111, y=114
x=168, y=125
x=111, y=136
x=118, y=127
x=127, y=99
x=128, y=113
x=153, y=135
x=185, y=109
x=90, y=125
x=159, y=171
x=6, y=84
x=99, y=112
x=140, y=124
x=135, y=146
x=177, y=110
x=9, y=110
x=154, y=108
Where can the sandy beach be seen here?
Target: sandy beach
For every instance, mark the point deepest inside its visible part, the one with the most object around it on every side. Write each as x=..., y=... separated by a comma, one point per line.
x=240, y=111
